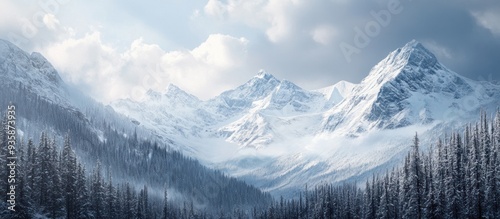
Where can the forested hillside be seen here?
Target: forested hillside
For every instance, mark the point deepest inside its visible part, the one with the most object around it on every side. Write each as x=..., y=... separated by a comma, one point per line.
x=133, y=162
x=53, y=183
x=459, y=177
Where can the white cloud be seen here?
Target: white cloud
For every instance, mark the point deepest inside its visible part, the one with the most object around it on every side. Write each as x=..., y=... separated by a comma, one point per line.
x=280, y=15
x=323, y=34
x=51, y=21
x=107, y=74
x=273, y=16
x=489, y=19
x=306, y=32
x=87, y=63
x=206, y=70
x=215, y=8
x=219, y=50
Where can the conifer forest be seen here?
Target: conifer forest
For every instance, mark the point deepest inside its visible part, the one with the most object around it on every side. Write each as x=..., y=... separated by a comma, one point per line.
x=457, y=177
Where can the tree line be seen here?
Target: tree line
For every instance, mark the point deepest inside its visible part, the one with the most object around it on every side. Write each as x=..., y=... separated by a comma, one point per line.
x=54, y=184
x=127, y=155
x=459, y=177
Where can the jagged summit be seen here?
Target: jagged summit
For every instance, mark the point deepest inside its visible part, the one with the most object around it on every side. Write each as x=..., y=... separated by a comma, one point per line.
x=413, y=44
x=337, y=92
x=153, y=95
x=413, y=53
x=416, y=54
x=31, y=71
x=10, y=53
x=263, y=74
x=172, y=89
x=256, y=88
x=407, y=91
x=413, y=59
x=408, y=87
x=286, y=84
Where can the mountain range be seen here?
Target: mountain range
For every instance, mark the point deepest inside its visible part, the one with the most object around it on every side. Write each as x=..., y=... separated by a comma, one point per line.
x=271, y=133
x=279, y=136
x=128, y=153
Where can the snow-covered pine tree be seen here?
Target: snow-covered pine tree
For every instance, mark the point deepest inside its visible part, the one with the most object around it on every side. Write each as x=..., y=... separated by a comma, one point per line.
x=414, y=183
x=69, y=174
x=27, y=167
x=41, y=174
x=384, y=210
x=454, y=178
x=97, y=193
x=111, y=197
x=82, y=194
x=429, y=208
x=56, y=204
x=129, y=202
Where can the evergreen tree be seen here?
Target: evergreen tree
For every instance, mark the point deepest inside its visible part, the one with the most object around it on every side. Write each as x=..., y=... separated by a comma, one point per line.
x=413, y=183
x=111, y=198
x=129, y=202
x=97, y=192
x=42, y=172
x=384, y=209
x=82, y=194
x=69, y=174
x=55, y=206
x=431, y=203
x=23, y=205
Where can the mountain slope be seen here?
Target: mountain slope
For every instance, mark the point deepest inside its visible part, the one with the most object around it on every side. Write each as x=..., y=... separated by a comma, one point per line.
x=407, y=87
x=44, y=103
x=279, y=136
x=337, y=92
x=32, y=71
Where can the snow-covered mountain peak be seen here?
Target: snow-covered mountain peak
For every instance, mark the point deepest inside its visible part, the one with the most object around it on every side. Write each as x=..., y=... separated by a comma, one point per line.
x=263, y=74
x=334, y=94
x=412, y=50
x=408, y=87
x=12, y=53
x=350, y=126
x=152, y=94
x=410, y=62
x=285, y=84
x=243, y=96
x=343, y=85
x=171, y=97
x=290, y=98
x=416, y=54
x=32, y=71
x=173, y=91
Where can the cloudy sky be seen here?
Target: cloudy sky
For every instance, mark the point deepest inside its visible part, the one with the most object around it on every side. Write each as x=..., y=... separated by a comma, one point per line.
x=118, y=49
